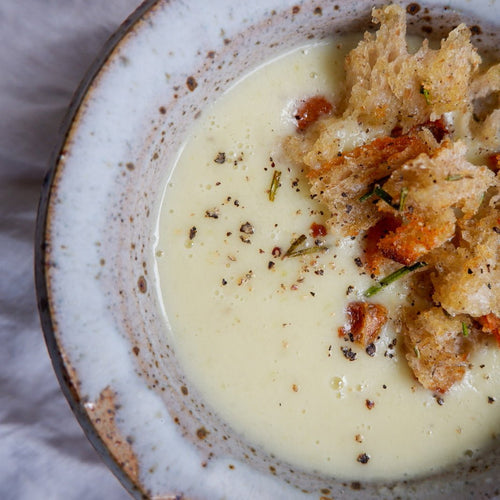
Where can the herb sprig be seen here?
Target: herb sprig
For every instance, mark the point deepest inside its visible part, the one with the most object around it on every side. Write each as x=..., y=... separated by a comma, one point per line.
x=392, y=277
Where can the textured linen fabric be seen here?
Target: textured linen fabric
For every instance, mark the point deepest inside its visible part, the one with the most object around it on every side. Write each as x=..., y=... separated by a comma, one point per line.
x=46, y=47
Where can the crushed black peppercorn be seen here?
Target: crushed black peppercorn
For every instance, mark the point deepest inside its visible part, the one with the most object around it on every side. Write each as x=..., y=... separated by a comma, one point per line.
x=439, y=400
x=220, y=158
x=192, y=232
x=363, y=458
x=371, y=349
x=247, y=228
x=348, y=353
x=212, y=213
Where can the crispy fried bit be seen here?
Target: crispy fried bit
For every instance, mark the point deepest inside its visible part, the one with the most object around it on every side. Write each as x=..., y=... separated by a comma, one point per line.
x=374, y=258
x=364, y=322
x=436, y=349
x=494, y=161
x=490, y=324
x=412, y=240
x=310, y=110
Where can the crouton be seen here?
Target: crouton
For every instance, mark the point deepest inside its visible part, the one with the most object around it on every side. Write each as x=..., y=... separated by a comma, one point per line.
x=436, y=349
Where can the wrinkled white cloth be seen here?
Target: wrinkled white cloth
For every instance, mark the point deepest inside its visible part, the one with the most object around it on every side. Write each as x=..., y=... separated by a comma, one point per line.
x=46, y=47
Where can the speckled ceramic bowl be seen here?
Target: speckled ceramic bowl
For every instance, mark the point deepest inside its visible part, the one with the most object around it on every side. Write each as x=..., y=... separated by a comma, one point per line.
x=96, y=281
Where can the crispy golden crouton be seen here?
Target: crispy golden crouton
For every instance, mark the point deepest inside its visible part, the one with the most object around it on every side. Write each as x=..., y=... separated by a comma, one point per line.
x=436, y=348
x=388, y=86
x=440, y=181
x=435, y=187
x=417, y=236
x=467, y=277
x=341, y=182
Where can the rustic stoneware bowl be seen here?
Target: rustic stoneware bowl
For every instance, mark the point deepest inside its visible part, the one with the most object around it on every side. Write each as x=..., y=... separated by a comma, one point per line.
x=96, y=281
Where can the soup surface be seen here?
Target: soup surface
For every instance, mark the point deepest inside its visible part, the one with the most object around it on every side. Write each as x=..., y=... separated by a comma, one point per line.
x=257, y=333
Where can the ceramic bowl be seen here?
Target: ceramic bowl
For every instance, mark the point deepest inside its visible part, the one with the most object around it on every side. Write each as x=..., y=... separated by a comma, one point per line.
x=96, y=282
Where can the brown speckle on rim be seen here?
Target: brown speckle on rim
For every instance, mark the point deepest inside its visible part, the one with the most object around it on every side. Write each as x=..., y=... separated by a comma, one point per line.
x=102, y=414
x=136, y=350
x=318, y=11
x=356, y=485
x=475, y=30
x=184, y=390
x=211, y=54
x=413, y=8
x=162, y=110
x=191, y=83
x=295, y=9
x=130, y=165
x=427, y=29
x=141, y=283
x=202, y=433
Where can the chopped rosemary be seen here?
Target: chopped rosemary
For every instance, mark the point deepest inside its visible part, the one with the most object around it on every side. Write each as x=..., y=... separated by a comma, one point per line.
x=383, y=195
x=306, y=251
x=392, y=277
x=275, y=184
x=295, y=244
x=293, y=252
x=454, y=178
x=465, y=329
x=367, y=195
x=402, y=198
x=425, y=93
x=416, y=351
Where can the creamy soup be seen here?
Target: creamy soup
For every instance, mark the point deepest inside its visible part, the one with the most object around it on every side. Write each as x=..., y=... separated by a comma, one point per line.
x=257, y=333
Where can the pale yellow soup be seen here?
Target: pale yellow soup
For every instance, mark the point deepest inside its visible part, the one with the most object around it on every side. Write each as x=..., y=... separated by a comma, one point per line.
x=259, y=340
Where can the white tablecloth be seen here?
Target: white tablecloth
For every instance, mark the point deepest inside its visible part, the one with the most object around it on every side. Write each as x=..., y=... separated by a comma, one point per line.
x=45, y=48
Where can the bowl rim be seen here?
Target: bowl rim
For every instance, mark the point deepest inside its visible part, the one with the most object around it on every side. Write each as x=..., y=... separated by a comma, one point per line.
x=66, y=379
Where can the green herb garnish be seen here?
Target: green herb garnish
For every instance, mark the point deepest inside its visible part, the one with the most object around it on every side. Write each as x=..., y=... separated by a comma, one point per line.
x=275, y=184
x=416, y=351
x=295, y=244
x=402, y=198
x=294, y=252
x=454, y=178
x=425, y=93
x=367, y=195
x=383, y=195
x=465, y=329
x=306, y=251
x=392, y=277
x=377, y=190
